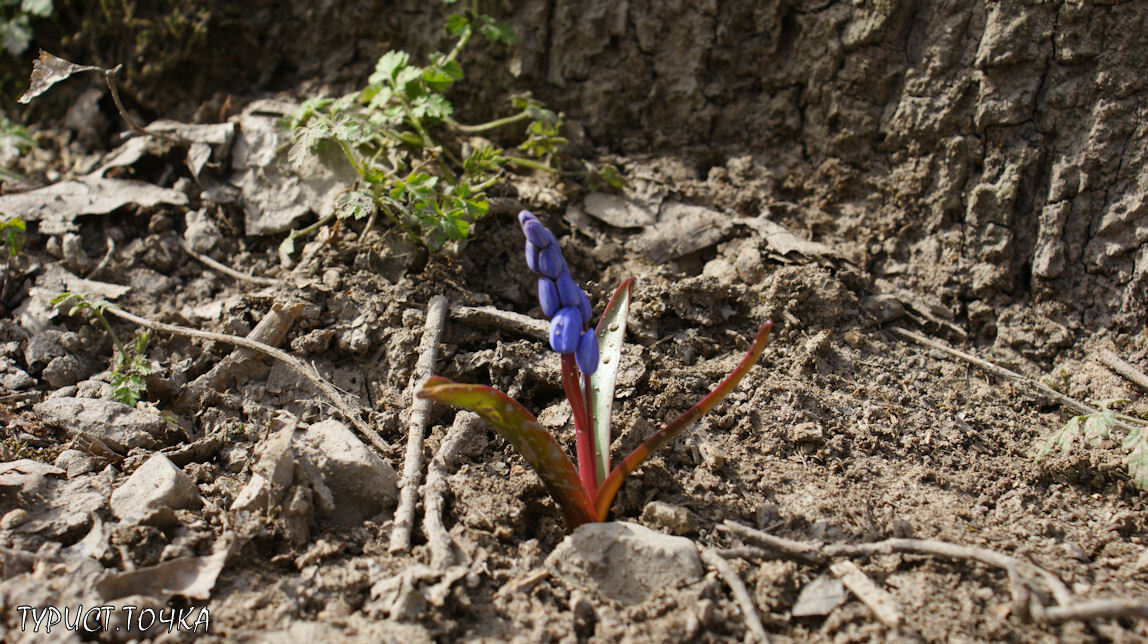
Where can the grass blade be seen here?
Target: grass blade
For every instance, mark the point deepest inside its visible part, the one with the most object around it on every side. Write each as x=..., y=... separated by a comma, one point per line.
x=611, y=329
x=613, y=482
x=519, y=427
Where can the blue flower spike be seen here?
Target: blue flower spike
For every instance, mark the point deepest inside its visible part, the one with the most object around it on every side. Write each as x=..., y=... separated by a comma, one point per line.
x=561, y=299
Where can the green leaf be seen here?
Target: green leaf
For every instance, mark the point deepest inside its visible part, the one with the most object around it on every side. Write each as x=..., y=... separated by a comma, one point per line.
x=457, y=23
x=518, y=426
x=496, y=31
x=613, y=482
x=16, y=34
x=357, y=204
x=388, y=67
x=611, y=329
x=1138, y=458
x=42, y=8
x=432, y=106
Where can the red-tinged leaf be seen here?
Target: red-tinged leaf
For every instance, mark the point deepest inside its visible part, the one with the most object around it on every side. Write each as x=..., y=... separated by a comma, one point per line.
x=613, y=482
x=611, y=329
x=519, y=427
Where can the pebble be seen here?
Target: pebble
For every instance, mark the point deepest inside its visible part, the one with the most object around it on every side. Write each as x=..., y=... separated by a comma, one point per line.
x=14, y=519
x=673, y=518
x=153, y=492
x=63, y=371
x=363, y=485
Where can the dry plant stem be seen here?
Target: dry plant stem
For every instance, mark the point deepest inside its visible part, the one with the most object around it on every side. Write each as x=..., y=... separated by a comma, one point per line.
x=438, y=539
x=1021, y=574
x=109, y=77
x=740, y=593
x=489, y=316
x=1113, y=362
x=1080, y=407
x=296, y=365
x=111, y=248
x=417, y=423
x=227, y=270
x=876, y=598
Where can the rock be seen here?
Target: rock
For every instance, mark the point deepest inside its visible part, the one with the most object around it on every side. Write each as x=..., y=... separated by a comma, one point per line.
x=153, y=492
x=749, y=265
x=624, y=561
x=720, y=268
x=27, y=474
x=46, y=346
x=75, y=462
x=674, y=518
x=618, y=211
x=14, y=519
x=883, y=307
x=64, y=371
x=362, y=484
x=121, y=427
x=253, y=496
x=201, y=233
x=819, y=597
x=234, y=458
x=14, y=378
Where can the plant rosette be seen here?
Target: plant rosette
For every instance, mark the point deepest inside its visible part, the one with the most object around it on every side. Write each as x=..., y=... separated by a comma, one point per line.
x=590, y=360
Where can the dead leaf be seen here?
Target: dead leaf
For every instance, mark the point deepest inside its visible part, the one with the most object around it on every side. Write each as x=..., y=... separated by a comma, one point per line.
x=191, y=577
x=56, y=206
x=47, y=70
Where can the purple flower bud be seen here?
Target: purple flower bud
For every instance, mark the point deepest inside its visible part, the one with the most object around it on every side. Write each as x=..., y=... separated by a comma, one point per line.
x=536, y=233
x=565, y=330
x=568, y=292
x=586, y=356
x=550, y=262
x=531, y=257
x=548, y=297
x=585, y=308
x=525, y=216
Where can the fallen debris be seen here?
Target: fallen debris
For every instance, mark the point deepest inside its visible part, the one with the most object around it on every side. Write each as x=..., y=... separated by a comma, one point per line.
x=153, y=492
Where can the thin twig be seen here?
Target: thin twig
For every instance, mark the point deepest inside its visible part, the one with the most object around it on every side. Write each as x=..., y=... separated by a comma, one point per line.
x=417, y=422
x=1022, y=574
x=508, y=321
x=1115, y=363
x=740, y=594
x=296, y=365
x=109, y=77
x=227, y=270
x=1080, y=407
x=876, y=598
x=441, y=546
x=111, y=249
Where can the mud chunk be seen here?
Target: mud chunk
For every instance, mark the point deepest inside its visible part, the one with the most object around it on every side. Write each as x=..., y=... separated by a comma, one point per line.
x=75, y=462
x=624, y=561
x=64, y=371
x=884, y=307
x=14, y=519
x=44, y=347
x=121, y=427
x=674, y=518
x=362, y=483
x=153, y=492
x=749, y=266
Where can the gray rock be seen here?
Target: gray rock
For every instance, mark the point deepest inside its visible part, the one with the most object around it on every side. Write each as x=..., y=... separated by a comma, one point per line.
x=14, y=519
x=64, y=371
x=42, y=348
x=121, y=427
x=624, y=561
x=819, y=597
x=362, y=484
x=618, y=211
x=75, y=462
x=14, y=378
x=153, y=492
x=201, y=233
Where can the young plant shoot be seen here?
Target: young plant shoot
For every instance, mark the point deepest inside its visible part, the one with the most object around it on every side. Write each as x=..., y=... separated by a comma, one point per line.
x=590, y=360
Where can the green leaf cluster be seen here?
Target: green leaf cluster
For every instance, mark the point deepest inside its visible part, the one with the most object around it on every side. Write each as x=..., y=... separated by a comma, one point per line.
x=1088, y=430
x=130, y=366
x=416, y=164
x=16, y=24
x=13, y=229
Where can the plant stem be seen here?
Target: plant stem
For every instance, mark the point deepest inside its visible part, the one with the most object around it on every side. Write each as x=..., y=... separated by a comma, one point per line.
x=489, y=125
x=583, y=431
x=530, y=163
x=462, y=40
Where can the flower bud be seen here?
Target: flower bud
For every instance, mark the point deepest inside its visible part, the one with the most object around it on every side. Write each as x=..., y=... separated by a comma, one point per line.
x=531, y=257
x=586, y=355
x=566, y=330
x=550, y=262
x=568, y=291
x=536, y=233
x=548, y=297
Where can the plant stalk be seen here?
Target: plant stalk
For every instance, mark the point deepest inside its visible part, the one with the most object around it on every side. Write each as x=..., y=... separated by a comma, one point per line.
x=583, y=430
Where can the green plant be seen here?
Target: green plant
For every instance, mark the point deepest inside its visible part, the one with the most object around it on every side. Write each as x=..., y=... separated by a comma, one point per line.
x=590, y=361
x=130, y=365
x=416, y=164
x=16, y=25
x=13, y=230
x=14, y=141
x=1089, y=429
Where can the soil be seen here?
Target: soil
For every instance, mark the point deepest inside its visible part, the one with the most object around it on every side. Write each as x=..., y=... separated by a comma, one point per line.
x=972, y=171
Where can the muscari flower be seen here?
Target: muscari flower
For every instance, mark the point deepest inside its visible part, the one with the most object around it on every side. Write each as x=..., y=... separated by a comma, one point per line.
x=563, y=302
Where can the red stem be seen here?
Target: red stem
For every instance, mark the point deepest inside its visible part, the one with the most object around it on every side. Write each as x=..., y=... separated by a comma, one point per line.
x=583, y=431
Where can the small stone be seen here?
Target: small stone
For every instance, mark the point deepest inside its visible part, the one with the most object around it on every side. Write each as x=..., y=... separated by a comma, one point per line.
x=75, y=462
x=749, y=266
x=14, y=519
x=362, y=484
x=201, y=233
x=253, y=496
x=674, y=518
x=819, y=597
x=234, y=458
x=316, y=341
x=354, y=341
x=42, y=348
x=806, y=433
x=63, y=371
x=121, y=427
x=624, y=561
x=75, y=259
x=1142, y=561
x=153, y=492
x=883, y=308
x=902, y=529
x=721, y=269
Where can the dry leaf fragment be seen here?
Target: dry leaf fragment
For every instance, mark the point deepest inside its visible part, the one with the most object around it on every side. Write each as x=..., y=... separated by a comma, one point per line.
x=47, y=70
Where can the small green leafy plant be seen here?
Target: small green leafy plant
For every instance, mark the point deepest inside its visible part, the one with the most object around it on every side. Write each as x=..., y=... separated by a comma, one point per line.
x=1089, y=429
x=130, y=366
x=16, y=24
x=415, y=162
x=13, y=230
x=590, y=361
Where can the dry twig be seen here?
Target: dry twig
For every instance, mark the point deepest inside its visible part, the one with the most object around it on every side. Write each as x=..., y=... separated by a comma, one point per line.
x=1115, y=363
x=1005, y=373
x=227, y=270
x=296, y=365
x=876, y=598
x=740, y=594
x=441, y=546
x=1022, y=575
x=506, y=320
x=417, y=422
